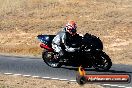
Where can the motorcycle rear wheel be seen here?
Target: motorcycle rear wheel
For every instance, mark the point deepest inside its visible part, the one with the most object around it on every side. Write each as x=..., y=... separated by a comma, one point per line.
x=49, y=59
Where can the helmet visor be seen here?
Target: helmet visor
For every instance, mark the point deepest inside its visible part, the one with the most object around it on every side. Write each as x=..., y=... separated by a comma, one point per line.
x=72, y=30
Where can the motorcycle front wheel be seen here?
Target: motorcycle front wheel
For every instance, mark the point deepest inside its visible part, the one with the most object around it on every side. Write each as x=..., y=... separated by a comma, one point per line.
x=50, y=59
x=102, y=62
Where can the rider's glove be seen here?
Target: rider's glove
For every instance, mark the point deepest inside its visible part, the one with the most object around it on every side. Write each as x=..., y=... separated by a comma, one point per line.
x=77, y=49
x=70, y=49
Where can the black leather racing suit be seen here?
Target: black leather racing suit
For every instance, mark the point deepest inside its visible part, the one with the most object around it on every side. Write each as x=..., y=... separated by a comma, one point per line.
x=71, y=43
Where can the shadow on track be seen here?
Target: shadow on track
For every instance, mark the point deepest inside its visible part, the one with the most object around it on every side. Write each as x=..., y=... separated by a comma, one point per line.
x=76, y=68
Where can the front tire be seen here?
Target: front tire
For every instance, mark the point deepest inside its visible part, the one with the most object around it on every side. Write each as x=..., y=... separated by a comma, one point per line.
x=102, y=62
x=49, y=59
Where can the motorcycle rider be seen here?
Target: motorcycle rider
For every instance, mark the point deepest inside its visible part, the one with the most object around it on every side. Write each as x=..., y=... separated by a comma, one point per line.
x=68, y=37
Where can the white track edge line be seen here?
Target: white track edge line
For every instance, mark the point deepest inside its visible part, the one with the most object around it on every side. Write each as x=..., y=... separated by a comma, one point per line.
x=55, y=78
x=116, y=86
x=17, y=74
x=61, y=79
x=122, y=86
x=8, y=73
x=72, y=80
x=36, y=76
x=26, y=75
x=106, y=84
x=45, y=77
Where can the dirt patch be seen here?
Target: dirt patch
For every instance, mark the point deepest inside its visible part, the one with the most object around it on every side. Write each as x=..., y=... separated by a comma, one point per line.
x=23, y=82
x=22, y=21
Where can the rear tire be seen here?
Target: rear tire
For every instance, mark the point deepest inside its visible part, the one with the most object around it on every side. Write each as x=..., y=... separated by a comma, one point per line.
x=49, y=59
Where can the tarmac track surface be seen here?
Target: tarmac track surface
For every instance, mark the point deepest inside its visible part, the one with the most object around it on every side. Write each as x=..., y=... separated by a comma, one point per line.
x=35, y=67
